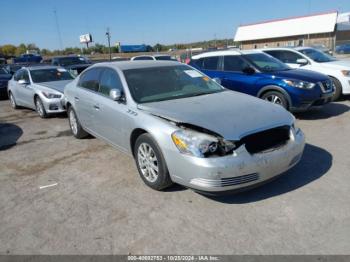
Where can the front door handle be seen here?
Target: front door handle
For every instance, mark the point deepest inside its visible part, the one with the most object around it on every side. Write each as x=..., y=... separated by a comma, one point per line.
x=97, y=107
x=76, y=98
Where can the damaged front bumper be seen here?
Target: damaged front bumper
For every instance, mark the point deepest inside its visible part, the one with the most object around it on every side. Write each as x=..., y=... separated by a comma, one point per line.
x=238, y=170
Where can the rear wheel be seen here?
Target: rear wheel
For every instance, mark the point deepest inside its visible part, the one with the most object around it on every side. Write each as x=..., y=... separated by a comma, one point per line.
x=151, y=163
x=13, y=101
x=40, y=109
x=276, y=97
x=338, y=89
x=74, y=124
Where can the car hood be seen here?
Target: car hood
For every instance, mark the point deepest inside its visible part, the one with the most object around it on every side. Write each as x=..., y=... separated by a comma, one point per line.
x=339, y=64
x=229, y=114
x=301, y=74
x=56, y=85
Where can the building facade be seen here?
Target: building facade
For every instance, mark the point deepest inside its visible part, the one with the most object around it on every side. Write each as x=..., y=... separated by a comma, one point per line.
x=320, y=29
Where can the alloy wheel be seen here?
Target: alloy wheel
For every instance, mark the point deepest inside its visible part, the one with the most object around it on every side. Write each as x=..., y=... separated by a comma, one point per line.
x=148, y=162
x=73, y=122
x=39, y=107
x=274, y=99
x=12, y=101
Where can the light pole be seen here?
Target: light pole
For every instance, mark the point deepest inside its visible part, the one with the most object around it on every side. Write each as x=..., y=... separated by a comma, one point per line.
x=108, y=34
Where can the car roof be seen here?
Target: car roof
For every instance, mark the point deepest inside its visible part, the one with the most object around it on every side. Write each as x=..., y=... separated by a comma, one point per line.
x=126, y=65
x=226, y=52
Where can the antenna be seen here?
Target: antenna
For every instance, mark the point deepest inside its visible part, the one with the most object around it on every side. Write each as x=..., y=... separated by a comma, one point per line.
x=58, y=29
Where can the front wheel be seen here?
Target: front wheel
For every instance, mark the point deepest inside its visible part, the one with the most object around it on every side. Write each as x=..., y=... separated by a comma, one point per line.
x=151, y=163
x=74, y=124
x=40, y=109
x=276, y=97
x=13, y=101
x=338, y=89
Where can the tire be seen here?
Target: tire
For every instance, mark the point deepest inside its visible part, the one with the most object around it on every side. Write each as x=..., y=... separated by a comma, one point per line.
x=40, y=109
x=148, y=157
x=338, y=89
x=276, y=97
x=74, y=124
x=13, y=101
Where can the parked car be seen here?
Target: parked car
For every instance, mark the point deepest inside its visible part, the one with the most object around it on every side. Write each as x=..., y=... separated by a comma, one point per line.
x=182, y=127
x=74, y=64
x=343, y=49
x=258, y=74
x=322, y=48
x=13, y=68
x=153, y=57
x=5, y=76
x=39, y=88
x=3, y=61
x=27, y=58
x=313, y=59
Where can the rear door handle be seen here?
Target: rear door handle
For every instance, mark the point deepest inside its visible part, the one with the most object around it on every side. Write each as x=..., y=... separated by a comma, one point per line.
x=76, y=98
x=97, y=107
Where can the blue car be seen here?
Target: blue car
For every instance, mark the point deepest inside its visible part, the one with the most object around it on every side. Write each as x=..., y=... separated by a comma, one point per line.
x=5, y=76
x=259, y=74
x=343, y=49
x=27, y=58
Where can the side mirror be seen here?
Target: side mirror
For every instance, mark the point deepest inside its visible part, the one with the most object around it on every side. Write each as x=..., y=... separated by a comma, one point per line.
x=248, y=70
x=302, y=61
x=217, y=80
x=23, y=82
x=115, y=94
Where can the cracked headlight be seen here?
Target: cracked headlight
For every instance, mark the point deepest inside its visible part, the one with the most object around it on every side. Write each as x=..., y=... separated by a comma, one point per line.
x=299, y=84
x=199, y=144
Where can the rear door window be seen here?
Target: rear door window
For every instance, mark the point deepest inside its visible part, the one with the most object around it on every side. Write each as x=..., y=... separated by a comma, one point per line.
x=276, y=54
x=90, y=79
x=143, y=58
x=211, y=63
x=285, y=56
x=234, y=63
x=109, y=80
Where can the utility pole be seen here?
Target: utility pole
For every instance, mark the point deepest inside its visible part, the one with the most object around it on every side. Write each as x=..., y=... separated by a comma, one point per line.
x=58, y=29
x=108, y=34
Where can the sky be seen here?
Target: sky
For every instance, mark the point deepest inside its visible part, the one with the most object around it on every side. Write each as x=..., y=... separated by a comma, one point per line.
x=142, y=21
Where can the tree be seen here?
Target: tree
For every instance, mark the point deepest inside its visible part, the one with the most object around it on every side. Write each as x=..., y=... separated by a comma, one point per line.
x=158, y=47
x=8, y=50
x=21, y=49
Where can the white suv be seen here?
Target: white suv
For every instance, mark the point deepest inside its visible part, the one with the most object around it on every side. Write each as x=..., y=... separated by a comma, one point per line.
x=315, y=60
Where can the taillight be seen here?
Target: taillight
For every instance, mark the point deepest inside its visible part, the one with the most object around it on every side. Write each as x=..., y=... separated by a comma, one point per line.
x=187, y=61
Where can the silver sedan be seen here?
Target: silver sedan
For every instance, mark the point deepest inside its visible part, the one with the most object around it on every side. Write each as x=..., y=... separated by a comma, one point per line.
x=39, y=88
x=182, y=127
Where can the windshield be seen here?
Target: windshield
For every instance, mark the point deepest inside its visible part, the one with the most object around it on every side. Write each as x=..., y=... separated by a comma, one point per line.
x=74, y=60
x=266, y=63
x=169, y=82
x=3, y=71
x=317, y=56
x=50, y=75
